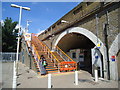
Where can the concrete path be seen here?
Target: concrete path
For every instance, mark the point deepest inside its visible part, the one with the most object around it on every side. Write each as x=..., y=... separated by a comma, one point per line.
x=7, y=74
x=29, y=79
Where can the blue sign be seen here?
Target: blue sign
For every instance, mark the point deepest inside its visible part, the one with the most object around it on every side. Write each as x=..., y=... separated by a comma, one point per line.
x=96, y=57
x=113, y=59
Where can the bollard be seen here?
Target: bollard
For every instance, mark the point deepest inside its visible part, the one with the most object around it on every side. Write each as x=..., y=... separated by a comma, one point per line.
x=96, y=75
x=76, y=77
x=14, y=77
x=49, y=81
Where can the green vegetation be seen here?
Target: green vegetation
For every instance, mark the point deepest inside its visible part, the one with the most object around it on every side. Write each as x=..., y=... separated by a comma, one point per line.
x=9, y=34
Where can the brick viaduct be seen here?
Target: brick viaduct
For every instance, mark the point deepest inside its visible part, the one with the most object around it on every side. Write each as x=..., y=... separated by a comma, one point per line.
x=86, y=26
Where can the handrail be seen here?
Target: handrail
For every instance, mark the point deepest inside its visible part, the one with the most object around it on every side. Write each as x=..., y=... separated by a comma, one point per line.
x=32, y=52
x=36, y=51
x=38, y=40
x=64, y=53
x=45, y=48
x=44, y=45
x=52, y=53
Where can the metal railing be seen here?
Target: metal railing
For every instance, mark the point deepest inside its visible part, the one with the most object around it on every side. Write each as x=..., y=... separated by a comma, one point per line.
x=69, y=63
x=49, y=53
x=9, y=56
x=63, y=54
x=45, y=49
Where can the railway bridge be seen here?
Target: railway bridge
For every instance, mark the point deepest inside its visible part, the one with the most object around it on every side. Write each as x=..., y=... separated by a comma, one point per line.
x=90, y=35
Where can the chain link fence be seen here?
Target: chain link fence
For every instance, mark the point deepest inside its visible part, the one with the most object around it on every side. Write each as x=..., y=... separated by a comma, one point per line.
x=9, y=56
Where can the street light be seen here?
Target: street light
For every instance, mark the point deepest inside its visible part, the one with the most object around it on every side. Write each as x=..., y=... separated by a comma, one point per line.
x=14, y=5
x=27, y=25
x=20, y=15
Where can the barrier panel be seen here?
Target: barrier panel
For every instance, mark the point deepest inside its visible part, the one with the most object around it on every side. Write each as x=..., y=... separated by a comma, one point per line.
x=67, y=66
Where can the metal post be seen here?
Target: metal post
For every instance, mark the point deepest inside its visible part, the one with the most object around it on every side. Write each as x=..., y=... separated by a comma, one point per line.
x=49, y=81
x=58, y=68
x=96, y=75
x=54, y=62
x=14, y=77
x=30, y=60
x=27, y=26
x=20, y=15
x=76, y=77
x=106, y=29
x=48, y=54
x=51, y=57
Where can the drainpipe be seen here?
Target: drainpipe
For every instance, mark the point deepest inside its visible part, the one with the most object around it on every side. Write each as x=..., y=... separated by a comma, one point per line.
x=107, y=53
x=106, y=28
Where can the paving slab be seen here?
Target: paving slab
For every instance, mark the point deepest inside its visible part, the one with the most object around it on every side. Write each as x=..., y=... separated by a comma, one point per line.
x=29, y=79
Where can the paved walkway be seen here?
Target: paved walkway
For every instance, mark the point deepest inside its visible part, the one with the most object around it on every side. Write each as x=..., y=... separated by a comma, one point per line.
x=29, y=79
x=7, y=74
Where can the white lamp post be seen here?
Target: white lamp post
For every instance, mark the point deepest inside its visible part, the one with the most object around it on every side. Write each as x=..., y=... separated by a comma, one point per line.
x=27, y=25
x=26, y=8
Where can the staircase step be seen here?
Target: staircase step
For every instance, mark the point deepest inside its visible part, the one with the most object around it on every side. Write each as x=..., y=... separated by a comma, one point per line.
x=51, y=69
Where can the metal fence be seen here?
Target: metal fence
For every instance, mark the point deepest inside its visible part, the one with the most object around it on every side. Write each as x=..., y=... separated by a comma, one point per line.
x=9, y=56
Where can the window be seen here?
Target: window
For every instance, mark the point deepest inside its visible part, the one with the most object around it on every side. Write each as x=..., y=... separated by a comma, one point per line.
x=77, y=10
x=73, y=55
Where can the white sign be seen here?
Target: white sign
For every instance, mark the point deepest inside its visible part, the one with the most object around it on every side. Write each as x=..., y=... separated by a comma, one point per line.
x=81, y=57
x=27, y=36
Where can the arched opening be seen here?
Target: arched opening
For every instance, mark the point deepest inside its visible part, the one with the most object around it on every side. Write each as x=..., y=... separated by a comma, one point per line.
x=78, y=47
x=78, y=44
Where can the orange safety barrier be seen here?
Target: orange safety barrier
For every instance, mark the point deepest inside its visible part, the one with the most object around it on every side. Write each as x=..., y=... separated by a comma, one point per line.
x=67, y=65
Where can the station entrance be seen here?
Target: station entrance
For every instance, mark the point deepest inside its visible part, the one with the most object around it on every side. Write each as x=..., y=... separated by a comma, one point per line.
x=82, y=50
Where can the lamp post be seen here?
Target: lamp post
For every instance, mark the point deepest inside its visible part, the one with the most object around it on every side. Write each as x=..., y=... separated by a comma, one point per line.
x=27, y=25
x=20, y=15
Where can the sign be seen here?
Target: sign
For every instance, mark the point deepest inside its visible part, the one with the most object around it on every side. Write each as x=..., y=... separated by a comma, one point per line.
x=96, y=57
x=27, y=36
x=98, y=45
x=81, y=57
x=113, y=58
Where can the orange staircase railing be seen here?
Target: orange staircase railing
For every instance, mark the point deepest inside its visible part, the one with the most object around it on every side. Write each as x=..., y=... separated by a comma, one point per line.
x=63, y=54
x=46, y=50
x=68, y=63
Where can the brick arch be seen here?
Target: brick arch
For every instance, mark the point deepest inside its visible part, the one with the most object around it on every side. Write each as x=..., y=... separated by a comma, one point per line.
x=89, y=35
x=84, y=32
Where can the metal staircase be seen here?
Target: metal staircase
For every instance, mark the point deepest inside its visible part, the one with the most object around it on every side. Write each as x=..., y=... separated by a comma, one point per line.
x=57, y=60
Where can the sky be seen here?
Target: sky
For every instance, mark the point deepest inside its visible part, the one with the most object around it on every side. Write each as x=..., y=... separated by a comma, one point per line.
x=42, y=14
